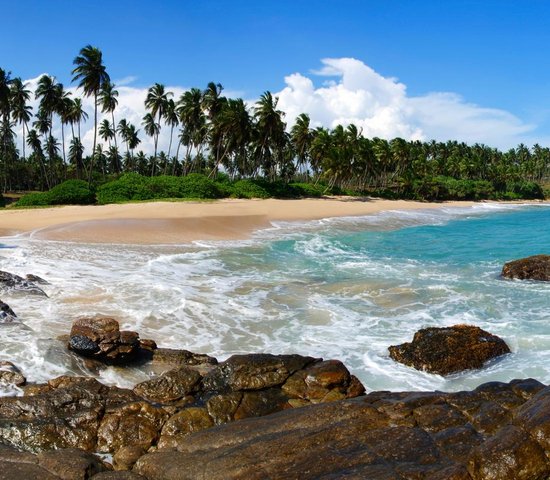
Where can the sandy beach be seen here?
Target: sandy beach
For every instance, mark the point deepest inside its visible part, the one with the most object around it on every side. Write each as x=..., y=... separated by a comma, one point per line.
x=170, y=223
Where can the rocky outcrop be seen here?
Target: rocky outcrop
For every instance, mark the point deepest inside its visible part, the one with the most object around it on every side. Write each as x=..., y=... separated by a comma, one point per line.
x=450, y=349
x=100, y=338
x=408, y=435
x=14, y=283
x=536, y=267
x=497, y=431
x=11, y=375
x=7, y=315
x=77, y=412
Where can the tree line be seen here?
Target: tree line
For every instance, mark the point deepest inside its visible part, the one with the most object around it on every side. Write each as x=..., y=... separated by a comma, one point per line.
x=209, y=133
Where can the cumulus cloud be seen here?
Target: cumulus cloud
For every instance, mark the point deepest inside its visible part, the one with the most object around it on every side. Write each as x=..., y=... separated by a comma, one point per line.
x=382, y=108
x=344, y=91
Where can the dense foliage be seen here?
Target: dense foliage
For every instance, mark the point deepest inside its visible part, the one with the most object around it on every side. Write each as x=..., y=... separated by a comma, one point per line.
x=220, y=146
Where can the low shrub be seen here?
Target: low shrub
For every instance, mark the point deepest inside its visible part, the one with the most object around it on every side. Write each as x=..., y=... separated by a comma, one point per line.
x=71, y=192
x=196, y=185
x=2, y=201
x=34, y=200
x=248, y=189
x=130, y=186
x=165, y=186
x=307, y=189
x=525, y=190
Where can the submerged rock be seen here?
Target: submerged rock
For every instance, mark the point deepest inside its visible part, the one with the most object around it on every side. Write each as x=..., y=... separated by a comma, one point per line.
x=7, y=315
x=536, y=267
x=11, y=375
x=14, y=283
x=449, y=350
x=36, y=279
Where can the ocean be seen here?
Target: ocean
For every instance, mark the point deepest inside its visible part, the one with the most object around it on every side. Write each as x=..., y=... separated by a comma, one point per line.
x=344, y=288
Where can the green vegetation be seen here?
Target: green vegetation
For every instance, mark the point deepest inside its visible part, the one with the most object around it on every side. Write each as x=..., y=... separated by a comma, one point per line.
x=221, y=147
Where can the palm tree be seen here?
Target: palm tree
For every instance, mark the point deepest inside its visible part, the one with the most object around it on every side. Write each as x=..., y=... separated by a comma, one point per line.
x=156, y=101
x=108, y=99
x=171, y=118
x=301, y=137
x=106, y=132
x=21, y=111
x=77, y=114
x=33, y=141
x=152, y=129
x=49, y=94
x=91, y=75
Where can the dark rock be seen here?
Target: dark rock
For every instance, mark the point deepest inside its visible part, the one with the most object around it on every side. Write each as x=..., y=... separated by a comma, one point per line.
x=101, y=339
x=253, y=372
x=36, y=279
x=7, y=315
x=183, y=423
x=126, y=457
x=450, y=349
x=24, y=471
x=11, y=375
x=118, y=476
x=135, y=424
x=70, y=464
x=14, y=283
x=536, y=267
x=180, y=357
x=170, y=386
x=510, y=454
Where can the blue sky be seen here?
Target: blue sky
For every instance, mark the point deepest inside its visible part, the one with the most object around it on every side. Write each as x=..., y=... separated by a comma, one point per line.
x=490, y=53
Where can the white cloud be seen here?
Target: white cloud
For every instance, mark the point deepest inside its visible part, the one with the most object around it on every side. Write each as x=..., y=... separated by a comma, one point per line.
x=381, y=107
x=349, y=91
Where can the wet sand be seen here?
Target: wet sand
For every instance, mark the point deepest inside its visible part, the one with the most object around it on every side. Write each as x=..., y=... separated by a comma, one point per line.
x=181, y=222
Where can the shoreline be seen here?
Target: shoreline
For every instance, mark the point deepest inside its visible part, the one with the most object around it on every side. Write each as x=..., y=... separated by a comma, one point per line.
x=154, y=223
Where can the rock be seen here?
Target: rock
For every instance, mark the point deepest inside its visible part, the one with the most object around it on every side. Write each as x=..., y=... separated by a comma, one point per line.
x=14, y=283
x=253, y=372
x=134, y=424
x=170, y=386
x=11, y=375
x=126, y=457
x=118, y=476
x=24, y=471
x=70, y=464
x=36, y=279
x=7, y=315
x=180, y=357
x=450, y=349
x=183, y=423
x=509, y=454
x=101, y=339
x=536, y=267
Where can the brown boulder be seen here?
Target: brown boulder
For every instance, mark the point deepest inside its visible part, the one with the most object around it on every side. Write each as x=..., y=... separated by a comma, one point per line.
x=14, y=283
x=183, y=423
x=536, y=267
x=11, y=375
x=170, y=386
x=100, y=338
x=179, y=357
x=449, y=350
x=70, y=464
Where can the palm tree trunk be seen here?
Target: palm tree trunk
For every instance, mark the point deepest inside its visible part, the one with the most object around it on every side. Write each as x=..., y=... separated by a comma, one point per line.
x=95, y=140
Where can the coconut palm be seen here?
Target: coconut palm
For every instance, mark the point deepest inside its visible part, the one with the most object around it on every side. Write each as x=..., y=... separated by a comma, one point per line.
x=156, y=101
x=108, y=100
x=152, y=129
x=91, y=75
x=21, y=110
x=171, y=119
x=106, y=131
x=33, y=141
x=301, y=136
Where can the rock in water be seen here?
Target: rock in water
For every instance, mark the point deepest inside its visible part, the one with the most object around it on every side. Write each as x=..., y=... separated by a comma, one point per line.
x=536, y=267
x=101, y=338
x=11, y=282
x=7, y=315
x=11, y=375
x=450, y=349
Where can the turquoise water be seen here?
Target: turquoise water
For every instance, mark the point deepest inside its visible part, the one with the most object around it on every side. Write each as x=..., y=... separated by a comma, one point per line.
x=340, y=288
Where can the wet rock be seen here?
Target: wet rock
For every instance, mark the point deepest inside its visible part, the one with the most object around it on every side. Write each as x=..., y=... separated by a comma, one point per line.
x=71, y=464
x=180, y=357
x=170, y=386
x=254, y=371
x=260, y=403
x=36, y=279
x=11, y=375
x=536, y=267
x=14, y=283
x=24, y=471
x=450, y=349
x=126, y=457
x=183, y=423
x=7, y=315
x=118, y=476
x=222, y=408
x=323, y=381
x=100, y=338
x=509, y=454
x=135, y=424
